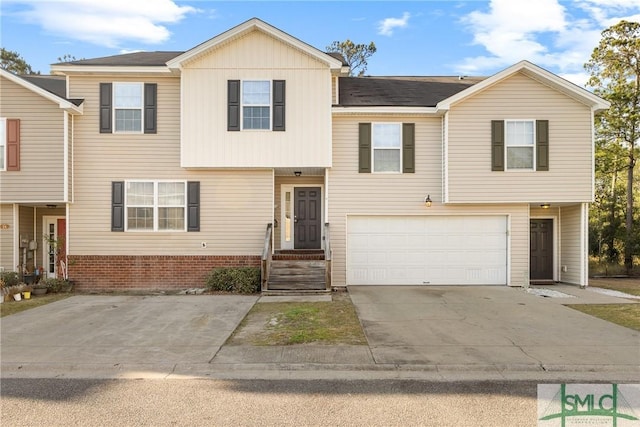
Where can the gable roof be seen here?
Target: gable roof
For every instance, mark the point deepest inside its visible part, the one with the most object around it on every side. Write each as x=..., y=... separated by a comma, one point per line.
x=48, y=87
x=537, y=73
x=400, y=91
x=246, y=27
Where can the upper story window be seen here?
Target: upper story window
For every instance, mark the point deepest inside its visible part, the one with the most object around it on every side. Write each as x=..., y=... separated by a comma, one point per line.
x=256, y=104
x=9, y=144
x=520, y=144
x=127, y=107
x=386, y=148
x=156, y=206
x=386, y=143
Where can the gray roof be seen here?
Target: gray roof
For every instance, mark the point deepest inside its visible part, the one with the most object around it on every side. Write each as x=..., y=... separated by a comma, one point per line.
x=400, y=91
x=57, y=85
x=141, y=59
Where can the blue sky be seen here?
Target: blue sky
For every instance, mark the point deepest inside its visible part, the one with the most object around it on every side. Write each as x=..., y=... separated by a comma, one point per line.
x=478, y=37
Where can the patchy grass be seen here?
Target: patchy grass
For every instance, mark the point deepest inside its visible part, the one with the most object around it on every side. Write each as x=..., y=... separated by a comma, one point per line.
x=627, y=315
x=12, y=307
x=289, y=323
x=626, y=285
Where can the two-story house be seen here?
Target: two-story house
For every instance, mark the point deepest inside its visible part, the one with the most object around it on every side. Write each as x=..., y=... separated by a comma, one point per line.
x=177, y=162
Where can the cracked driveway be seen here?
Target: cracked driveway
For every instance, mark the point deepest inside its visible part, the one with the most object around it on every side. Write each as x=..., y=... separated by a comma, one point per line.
x=475, y=326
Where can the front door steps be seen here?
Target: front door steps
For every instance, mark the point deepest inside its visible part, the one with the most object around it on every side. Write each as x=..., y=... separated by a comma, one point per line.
x=297, y=272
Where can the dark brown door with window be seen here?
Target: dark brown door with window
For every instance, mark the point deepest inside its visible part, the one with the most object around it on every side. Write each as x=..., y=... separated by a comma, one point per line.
x=308, y=226
x=541, y=249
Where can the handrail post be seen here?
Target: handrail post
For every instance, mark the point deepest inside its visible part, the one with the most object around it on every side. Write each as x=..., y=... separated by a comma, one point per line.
x=327, y=257
x=265, y=263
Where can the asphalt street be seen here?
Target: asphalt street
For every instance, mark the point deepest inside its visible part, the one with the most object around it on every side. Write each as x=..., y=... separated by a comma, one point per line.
x=198, y=402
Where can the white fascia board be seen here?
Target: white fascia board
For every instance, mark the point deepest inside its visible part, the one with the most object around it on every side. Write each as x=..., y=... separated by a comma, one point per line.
x=107, y=70
x=246, y=27
x=62, y=103
x=398, y=111
x=537, y=73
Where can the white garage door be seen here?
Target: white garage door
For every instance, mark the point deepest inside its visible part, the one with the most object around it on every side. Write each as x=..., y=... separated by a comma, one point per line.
x=435, y=250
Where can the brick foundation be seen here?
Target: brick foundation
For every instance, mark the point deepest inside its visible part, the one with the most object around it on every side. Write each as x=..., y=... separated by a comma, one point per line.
x=148, y=272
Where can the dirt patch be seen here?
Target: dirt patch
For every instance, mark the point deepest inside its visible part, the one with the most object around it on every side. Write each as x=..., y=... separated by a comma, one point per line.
x=287, y=323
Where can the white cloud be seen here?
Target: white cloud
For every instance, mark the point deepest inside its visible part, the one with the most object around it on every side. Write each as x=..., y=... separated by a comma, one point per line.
x=108, y=22
x=542, y=32
x=388, y=25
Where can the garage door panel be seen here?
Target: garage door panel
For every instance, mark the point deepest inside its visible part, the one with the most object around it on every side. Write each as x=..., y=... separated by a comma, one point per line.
x=439, y=250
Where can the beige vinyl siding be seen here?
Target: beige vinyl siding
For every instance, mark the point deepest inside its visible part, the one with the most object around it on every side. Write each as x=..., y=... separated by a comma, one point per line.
x=470, y=178
x=301, y=181
x=41, y=174
x=27, y=232
x=235, y=205
x=6, y=237
x=256, y=56
x=570, y=235
x=403, y=194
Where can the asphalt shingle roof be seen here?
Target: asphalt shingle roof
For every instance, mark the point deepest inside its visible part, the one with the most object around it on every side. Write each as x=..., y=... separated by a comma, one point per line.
x=57, y=85
x=140, y=59
x=400, y=91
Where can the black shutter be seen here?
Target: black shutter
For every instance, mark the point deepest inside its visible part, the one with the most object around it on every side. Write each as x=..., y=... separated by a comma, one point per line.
x=542, y=145
x=105, y=107
x=364, y=148
x=408, y=148
x=497, y=145
x=117, y=206
x=150, y=107
x=233, y=105
x=278, y=105
x=193, y=206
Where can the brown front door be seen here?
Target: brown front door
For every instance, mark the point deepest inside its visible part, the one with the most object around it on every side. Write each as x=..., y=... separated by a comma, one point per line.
x=307, y=218
x=541, y=249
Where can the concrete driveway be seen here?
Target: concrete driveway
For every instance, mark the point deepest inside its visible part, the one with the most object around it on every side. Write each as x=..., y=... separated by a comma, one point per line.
x=479, y=326
x=120, y=332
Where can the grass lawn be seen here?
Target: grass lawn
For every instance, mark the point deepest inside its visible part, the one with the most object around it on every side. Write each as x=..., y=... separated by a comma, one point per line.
x=12, y=307
x=286, y=323
x=627, y=315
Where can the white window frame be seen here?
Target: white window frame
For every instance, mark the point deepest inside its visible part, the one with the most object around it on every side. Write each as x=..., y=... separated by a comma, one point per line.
x=3, y=143
x=507, y=146
x=373, y=148
x=270, y=104
x=155, y=206
x=141, y=108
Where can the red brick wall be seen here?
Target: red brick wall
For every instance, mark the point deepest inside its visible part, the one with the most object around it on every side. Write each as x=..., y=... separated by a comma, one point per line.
x=148, y=272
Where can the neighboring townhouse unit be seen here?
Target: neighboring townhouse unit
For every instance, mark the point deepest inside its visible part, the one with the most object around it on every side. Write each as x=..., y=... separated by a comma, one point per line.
x=254, y=148
x=36, y=176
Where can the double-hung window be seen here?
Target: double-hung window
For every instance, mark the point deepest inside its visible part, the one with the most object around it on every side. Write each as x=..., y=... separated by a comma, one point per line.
x=156, y=205
x=386, y=143
x=128, y=106
x=256, y=104
x=520, y=144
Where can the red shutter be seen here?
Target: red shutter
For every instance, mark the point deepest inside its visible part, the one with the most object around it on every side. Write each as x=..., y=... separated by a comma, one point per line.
x=13, y=144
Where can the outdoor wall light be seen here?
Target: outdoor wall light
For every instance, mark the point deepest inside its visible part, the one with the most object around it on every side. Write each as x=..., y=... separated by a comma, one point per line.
x=297, y=173
x=545, y=206
x=427, y=201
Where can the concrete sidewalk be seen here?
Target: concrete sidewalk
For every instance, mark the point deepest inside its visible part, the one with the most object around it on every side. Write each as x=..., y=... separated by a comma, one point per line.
x=431, y=333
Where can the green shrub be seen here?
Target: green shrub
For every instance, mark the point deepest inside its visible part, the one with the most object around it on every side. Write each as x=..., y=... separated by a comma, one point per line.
x=56, y=285
x=243, y=280
x=10, y=278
